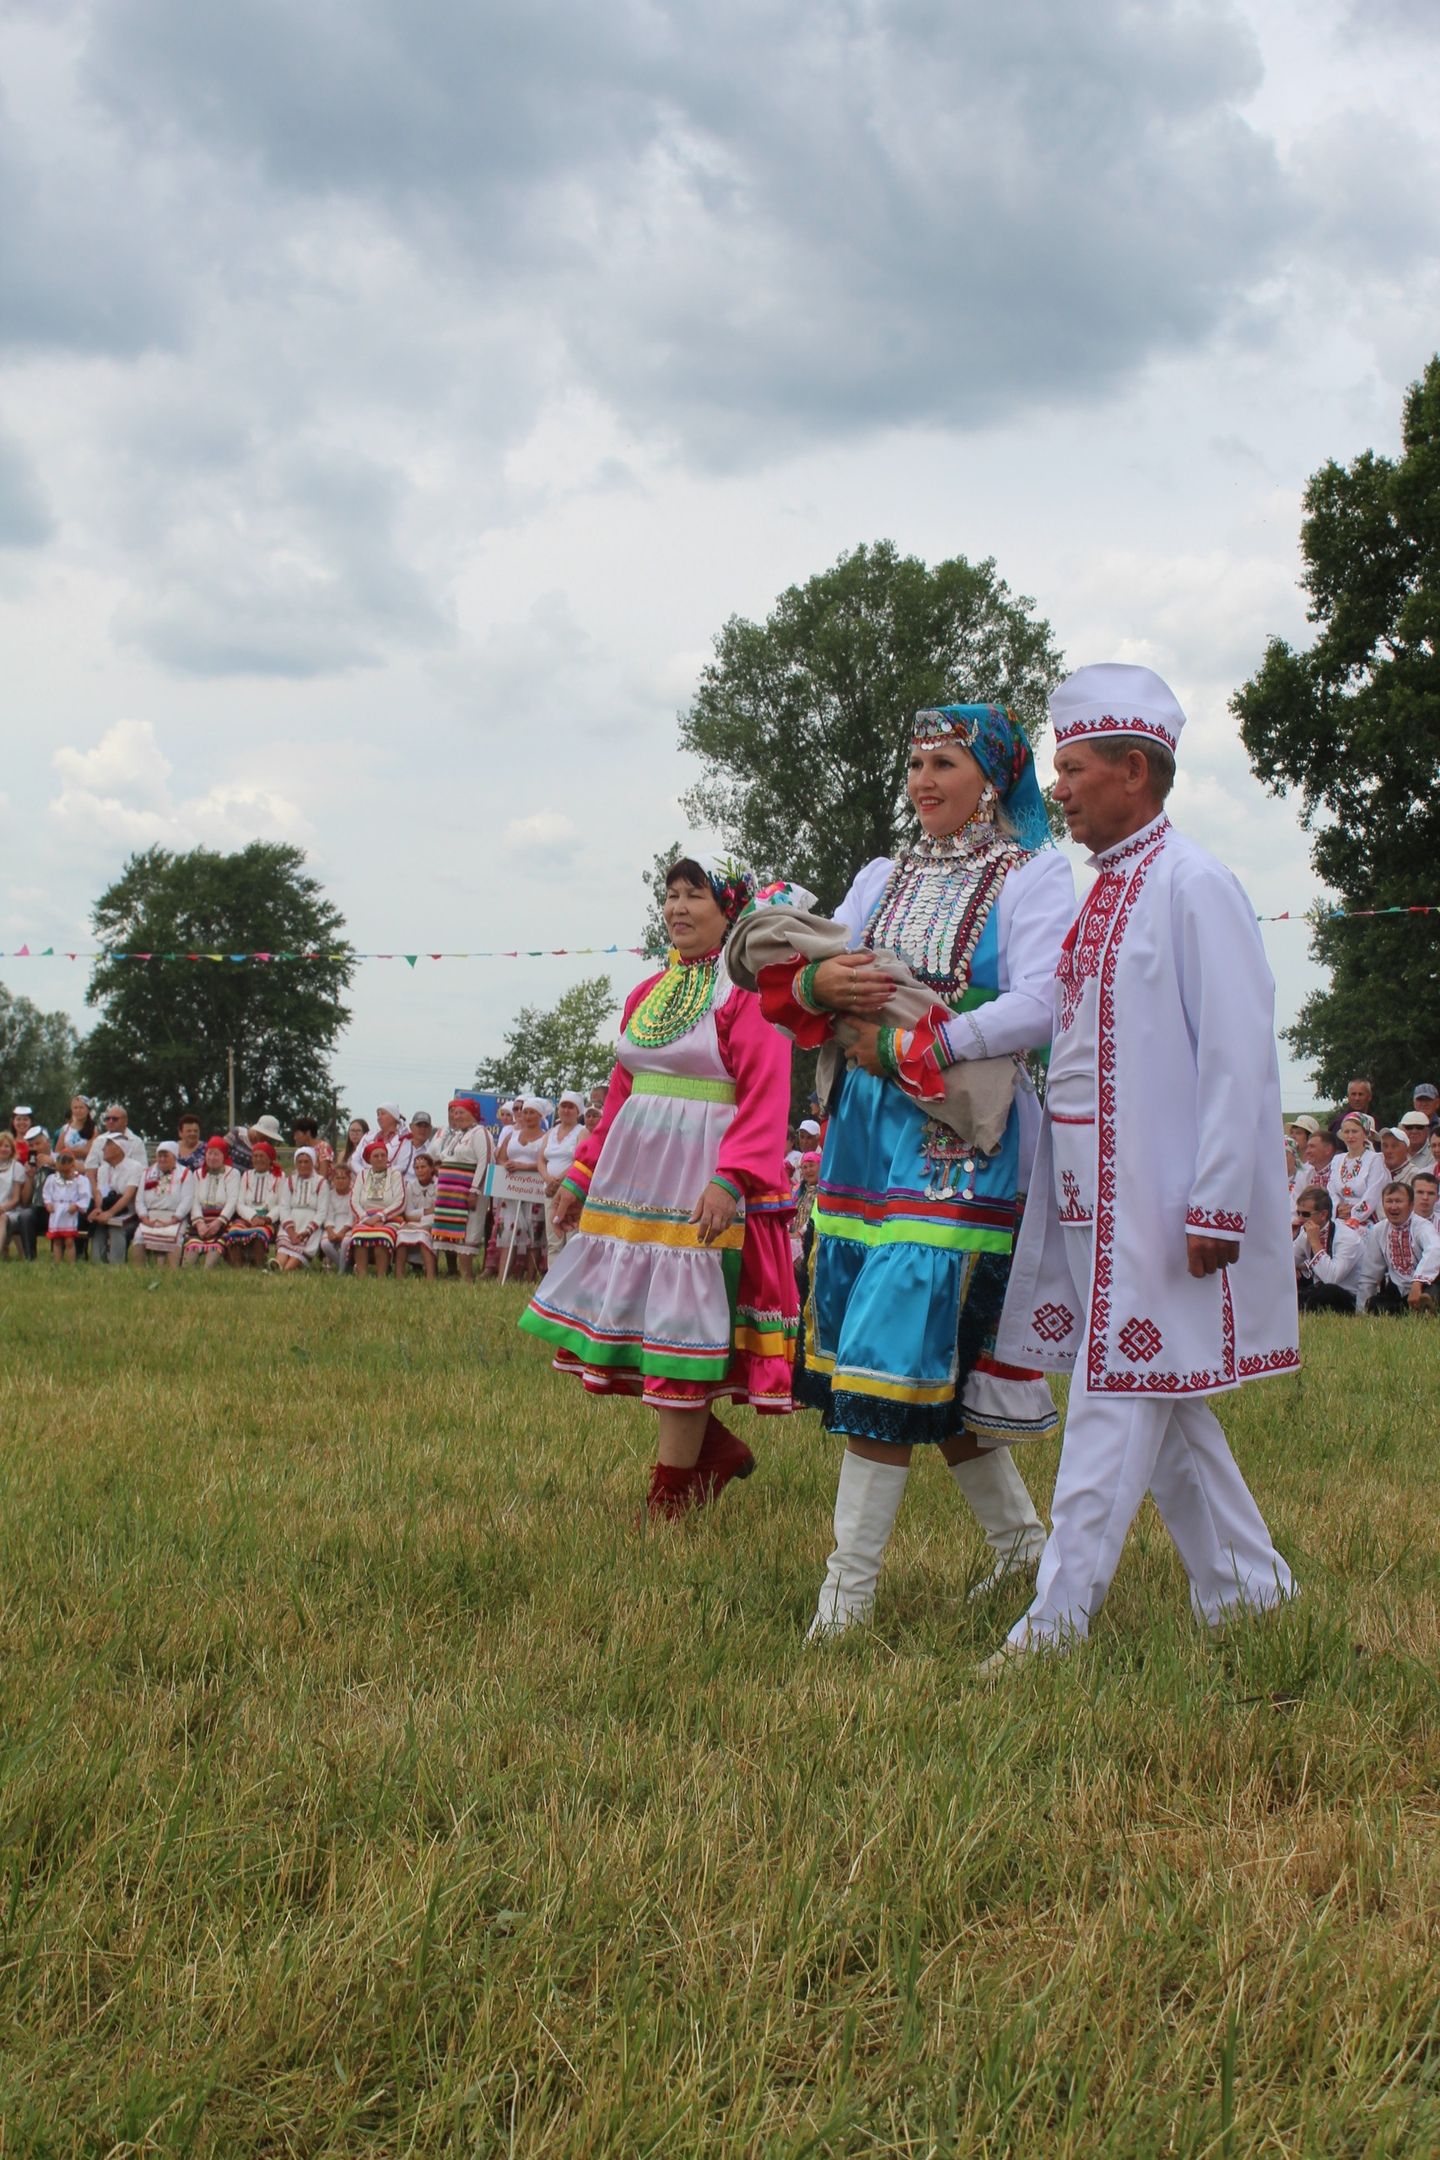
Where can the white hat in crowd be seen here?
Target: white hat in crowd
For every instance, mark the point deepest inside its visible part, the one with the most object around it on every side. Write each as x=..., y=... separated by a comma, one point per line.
x=271, y=1128
x=1416, y=1117
x=1113, y=699
x=1306, y=1125
x=808, y=1124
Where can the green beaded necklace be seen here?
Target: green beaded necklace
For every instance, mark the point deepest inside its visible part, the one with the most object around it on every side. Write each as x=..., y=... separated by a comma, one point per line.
x=678, y=1002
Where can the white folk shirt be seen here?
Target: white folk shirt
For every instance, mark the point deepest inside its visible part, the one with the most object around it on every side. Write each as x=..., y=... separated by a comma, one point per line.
x=1407, y=1253
x=1358, y=1179
x=302, y=1201
x=338, y=1215
x=164, y=1197
x=419, y=1200
x=1179, y=1071
x=455, y=1149
x=65, y=1197
x=1337, y=1262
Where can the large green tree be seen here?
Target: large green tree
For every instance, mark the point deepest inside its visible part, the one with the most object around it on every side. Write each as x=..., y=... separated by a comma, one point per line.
x=39, y=1059
x=1353, y=723
x=166, y=1023
x=802, y=722
x=568, y=1046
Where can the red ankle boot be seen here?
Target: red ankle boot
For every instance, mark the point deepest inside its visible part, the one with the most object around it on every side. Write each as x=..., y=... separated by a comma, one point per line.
x=673, y=1492
x=723, y=1455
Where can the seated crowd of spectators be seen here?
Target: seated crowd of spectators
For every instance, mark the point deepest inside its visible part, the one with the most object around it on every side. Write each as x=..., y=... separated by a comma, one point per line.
x=398, y=1195
x=1363, y=1195
x=394, y=1195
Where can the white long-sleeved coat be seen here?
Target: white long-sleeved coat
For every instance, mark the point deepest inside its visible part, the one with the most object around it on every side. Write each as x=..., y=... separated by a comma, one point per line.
x=1188, y=1139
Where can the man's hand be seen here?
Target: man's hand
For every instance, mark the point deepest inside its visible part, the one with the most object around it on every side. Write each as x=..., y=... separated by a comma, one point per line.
x=863, y=1051
x=713, y=1213
x=1315, y=1232
x=852, y=984
x=566, y=1212
x=1206, y=1254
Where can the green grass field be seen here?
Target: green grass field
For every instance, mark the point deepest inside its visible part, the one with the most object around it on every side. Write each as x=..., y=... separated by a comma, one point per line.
x=370, y=1786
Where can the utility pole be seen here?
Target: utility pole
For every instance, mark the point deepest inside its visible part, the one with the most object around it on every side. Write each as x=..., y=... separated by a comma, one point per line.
x=230, y=1070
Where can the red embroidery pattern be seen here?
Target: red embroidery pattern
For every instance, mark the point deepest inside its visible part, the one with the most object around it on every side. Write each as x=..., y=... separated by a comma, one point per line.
x=1141, y=1341
x=1216, y=1220
x=1085, y=939
x=1053, y=1323
x=1074, y=1210
x=1101, y=1380
x=1401, y=1254
x=1251, y=1368
x=1109, y=724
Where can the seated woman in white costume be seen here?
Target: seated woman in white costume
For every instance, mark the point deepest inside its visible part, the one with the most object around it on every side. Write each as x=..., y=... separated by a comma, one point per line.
x=162, y=1207
x=913, y=1231
x=214, y=1198
x=1356, y=1176
x=300, y=1205
x=416, y=1240
x=377, y=1203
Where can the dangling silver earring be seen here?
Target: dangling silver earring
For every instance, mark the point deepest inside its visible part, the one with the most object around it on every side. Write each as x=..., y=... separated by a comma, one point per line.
x=985, y=808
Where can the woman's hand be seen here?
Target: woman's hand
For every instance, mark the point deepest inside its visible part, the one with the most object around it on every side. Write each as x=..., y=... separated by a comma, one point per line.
x=713, y=1213
x=566, y=1211
x=864, y=1050
x=852, y=984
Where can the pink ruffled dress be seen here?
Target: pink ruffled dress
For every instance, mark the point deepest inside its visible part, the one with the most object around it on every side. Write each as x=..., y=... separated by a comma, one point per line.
x=634, y=1304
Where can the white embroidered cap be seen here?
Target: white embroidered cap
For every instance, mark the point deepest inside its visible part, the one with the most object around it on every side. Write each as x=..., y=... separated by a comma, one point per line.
x=1113, y=699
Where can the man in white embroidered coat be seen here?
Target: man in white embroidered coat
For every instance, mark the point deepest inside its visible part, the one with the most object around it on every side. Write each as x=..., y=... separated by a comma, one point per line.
x=1160, y=1272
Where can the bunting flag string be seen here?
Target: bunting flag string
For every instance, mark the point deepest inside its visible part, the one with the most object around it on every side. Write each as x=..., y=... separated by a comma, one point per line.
x=329, y=952
x=1310, y=916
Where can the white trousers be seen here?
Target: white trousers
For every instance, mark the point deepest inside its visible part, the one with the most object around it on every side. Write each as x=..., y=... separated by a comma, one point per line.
x=1116, y=1449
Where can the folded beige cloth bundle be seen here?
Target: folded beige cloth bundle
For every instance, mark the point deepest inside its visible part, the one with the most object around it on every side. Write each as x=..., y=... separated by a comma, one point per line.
x=978, y=1091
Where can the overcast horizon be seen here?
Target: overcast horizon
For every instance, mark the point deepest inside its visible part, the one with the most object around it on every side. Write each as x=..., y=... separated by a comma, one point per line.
x=395, y=401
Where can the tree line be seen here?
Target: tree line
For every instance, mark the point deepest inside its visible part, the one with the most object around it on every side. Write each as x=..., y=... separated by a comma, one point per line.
x=798, y=730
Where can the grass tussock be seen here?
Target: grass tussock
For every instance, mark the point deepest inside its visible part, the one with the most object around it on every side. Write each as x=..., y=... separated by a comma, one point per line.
x=369, y=1786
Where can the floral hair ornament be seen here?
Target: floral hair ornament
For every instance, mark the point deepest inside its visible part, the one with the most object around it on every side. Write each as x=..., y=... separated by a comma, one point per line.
x=731, y=883
x=996, y=741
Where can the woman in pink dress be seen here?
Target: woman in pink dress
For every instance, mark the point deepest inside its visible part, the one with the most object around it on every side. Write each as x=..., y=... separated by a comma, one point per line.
x=678, y=1286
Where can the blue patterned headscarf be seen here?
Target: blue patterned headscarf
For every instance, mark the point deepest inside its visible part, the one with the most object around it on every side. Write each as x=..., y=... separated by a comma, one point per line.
x=997, y=743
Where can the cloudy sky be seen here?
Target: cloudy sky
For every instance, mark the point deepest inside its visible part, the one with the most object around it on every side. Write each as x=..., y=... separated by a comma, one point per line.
x=397, y=395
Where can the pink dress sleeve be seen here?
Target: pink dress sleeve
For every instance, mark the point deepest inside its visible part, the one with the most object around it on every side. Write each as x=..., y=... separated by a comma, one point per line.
x=757, y=1057
x=582, y=1169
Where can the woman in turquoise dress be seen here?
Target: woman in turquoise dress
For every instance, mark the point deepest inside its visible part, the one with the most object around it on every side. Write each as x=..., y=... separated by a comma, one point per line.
x=913, y=1230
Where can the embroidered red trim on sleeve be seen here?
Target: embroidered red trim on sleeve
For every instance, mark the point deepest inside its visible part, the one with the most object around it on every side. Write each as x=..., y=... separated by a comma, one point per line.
x=1214, y=1222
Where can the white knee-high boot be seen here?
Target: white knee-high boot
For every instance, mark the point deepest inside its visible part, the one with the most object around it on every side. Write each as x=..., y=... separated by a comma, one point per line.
x=865, y=1505
x=1013, y=1531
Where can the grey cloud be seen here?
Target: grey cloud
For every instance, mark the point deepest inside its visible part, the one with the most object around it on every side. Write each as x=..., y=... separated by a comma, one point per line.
x=1371, y=188
x=25, y=519
x=1410, y=18
x=85, y=251
x=290, y=566
x=790, y=224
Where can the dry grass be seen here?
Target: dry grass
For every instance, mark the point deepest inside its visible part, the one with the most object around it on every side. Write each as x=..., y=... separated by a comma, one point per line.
x=370, y=1787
